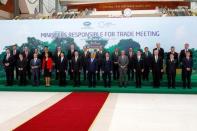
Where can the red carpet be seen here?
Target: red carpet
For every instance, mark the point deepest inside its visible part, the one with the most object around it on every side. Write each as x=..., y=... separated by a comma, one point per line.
x=76, y=112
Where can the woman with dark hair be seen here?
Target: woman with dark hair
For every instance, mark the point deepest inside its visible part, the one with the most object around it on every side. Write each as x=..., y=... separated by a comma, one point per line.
x=47, y=65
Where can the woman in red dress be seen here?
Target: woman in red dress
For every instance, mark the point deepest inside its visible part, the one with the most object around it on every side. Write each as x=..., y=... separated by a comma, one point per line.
x=47, y=65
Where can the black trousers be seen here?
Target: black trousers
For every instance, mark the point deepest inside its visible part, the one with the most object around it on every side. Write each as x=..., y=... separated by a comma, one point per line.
x=22, y=76
x=187, y=79
x=62, y=78
x=84, y=73
x=92, y=79
x=138, y=75
x=9, y=76
x=57, y=74
x=16, y=70
x=156, y=78
x=116, y=73
x=130, y=73
x=171, y=79
x=76, y=77
x=69, y=71
x=29, y=72
x=107, y=79
x=99, y=72
x=146, y=73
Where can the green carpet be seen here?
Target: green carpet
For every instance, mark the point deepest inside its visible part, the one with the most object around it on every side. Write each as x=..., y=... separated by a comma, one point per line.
x=146, y=88
x=114, y=89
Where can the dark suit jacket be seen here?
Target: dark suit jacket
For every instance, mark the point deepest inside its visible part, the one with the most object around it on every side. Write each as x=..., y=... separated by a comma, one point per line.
x=70, y=55
x=131, y=60
x=171, y=66
x=56, y=57
x=115, y=57
x=28, y=59
x=187, y=63
x=10, y=60
x=16, y=56
x=175, y=57
x=138, y=65
x=76, y=65
x=107, y=65
x=157, y=66
x=147, y=60
x=62, y=65
x=22, y=64
x=85, y=58
x=183, y=55
x=92, y=66
x=161, y=52
x=100, y=57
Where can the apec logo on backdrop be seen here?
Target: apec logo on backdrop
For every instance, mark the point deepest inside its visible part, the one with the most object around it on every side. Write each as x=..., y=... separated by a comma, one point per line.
x=87, y=25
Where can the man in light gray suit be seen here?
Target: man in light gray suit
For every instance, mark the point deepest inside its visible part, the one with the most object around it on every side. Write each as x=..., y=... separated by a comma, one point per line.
x=35, y=64
x=123, y=62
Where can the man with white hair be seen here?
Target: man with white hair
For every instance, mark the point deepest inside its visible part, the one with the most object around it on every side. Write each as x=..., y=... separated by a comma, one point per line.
x=183, y=55
x=157, y=68
x=160, y=54
x=123, y=62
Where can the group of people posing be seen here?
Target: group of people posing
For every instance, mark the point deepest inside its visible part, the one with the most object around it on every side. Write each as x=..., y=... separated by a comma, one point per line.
x=122, y=66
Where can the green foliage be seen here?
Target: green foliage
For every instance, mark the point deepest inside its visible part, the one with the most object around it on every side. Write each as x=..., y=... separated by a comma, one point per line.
x=194, y=58
x=125, y=44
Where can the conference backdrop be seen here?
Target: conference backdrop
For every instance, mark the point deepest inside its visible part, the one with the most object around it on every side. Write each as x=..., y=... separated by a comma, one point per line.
x=95, y=32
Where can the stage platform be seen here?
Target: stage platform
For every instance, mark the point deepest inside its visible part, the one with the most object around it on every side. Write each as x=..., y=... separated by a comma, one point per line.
x=146, y=87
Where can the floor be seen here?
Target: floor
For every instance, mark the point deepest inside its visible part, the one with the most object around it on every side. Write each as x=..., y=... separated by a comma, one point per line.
x=121, y=111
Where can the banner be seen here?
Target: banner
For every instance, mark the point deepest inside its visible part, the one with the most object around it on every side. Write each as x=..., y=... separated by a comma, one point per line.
x=107, y=32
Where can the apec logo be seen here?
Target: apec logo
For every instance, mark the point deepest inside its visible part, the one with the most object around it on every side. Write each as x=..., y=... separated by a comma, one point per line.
x=87, y=23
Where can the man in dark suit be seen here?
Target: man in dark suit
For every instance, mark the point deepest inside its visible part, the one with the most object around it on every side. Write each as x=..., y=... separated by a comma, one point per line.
x=160, y=50
x=100, y=56
x=183, y=55
x=138, y=68
x=15, y=54
x=21, y=66
x=147, y=63
x=9, y=67
x=35, y=64
x=27, y=55
x=161, y=55
x=115, y=56
x=76, y=68
x=172, y=51
x=70, y=55
x=56, y=58
x=85, y=57
x=131, y=57
x=171, y=65
x=157, y=68
x=187, y=70
x=92, y=66
x=62, y=65
x=107, y=70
